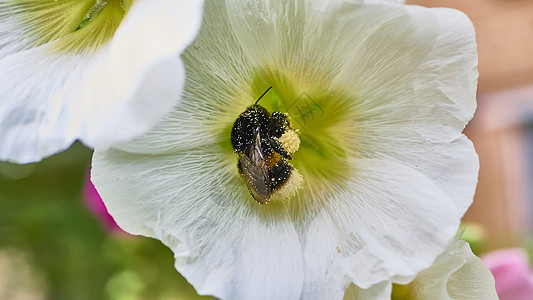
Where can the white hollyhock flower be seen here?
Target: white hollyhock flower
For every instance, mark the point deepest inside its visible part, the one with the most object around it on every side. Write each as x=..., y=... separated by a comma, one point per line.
x=377, y=94
x=101, y=71
x=456, y=274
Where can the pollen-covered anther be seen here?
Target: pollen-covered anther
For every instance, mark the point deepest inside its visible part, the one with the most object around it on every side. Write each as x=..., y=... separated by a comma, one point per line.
x=290, y=141
x=290, y=188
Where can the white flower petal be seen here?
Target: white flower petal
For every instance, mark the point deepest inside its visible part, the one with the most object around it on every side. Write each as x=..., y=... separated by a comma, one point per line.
x=391, y=220
x=227, y=248
x=32, y=125
x=102, y=96
x=380, y=291
x=456, y=274
x=440, y=103
x=266, y=30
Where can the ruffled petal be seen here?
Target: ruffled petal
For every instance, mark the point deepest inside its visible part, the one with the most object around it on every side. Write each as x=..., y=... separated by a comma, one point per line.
x=456, y=274
x=390, y=220
x=51, y=98
x=224, y=247
x=417, y=116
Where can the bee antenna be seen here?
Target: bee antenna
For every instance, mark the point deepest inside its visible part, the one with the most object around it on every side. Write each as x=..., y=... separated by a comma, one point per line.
x=262, y=95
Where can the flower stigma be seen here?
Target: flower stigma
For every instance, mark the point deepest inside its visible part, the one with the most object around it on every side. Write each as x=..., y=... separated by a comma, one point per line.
x=75, y=26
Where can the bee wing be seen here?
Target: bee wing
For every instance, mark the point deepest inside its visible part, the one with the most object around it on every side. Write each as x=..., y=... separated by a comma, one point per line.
x=255, y=171
x=256, y=175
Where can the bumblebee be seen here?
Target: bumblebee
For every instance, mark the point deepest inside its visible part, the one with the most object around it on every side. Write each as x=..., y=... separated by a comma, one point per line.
x=265, y=143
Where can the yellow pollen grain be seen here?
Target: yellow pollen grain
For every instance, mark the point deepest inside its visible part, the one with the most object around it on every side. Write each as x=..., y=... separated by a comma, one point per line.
x=290, y=188
x=290, y=141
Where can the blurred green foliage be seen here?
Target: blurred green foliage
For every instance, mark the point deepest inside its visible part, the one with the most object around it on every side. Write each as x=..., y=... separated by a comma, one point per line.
x=43, y=216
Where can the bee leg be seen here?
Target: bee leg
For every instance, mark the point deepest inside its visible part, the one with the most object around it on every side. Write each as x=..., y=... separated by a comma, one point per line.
x=279, y=174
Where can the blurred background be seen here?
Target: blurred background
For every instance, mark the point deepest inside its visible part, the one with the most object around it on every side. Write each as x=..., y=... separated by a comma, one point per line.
x=56, y=241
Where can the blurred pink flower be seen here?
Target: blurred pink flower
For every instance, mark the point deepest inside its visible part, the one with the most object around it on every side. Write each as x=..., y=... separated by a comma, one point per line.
x=95, y=204
x=512, y=273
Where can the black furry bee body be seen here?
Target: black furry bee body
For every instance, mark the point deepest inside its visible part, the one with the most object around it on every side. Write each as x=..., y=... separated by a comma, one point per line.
x=263, y=162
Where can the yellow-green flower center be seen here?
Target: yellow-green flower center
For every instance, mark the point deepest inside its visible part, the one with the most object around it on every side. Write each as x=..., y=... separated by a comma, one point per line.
x=323, y=116
x=74, y=25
